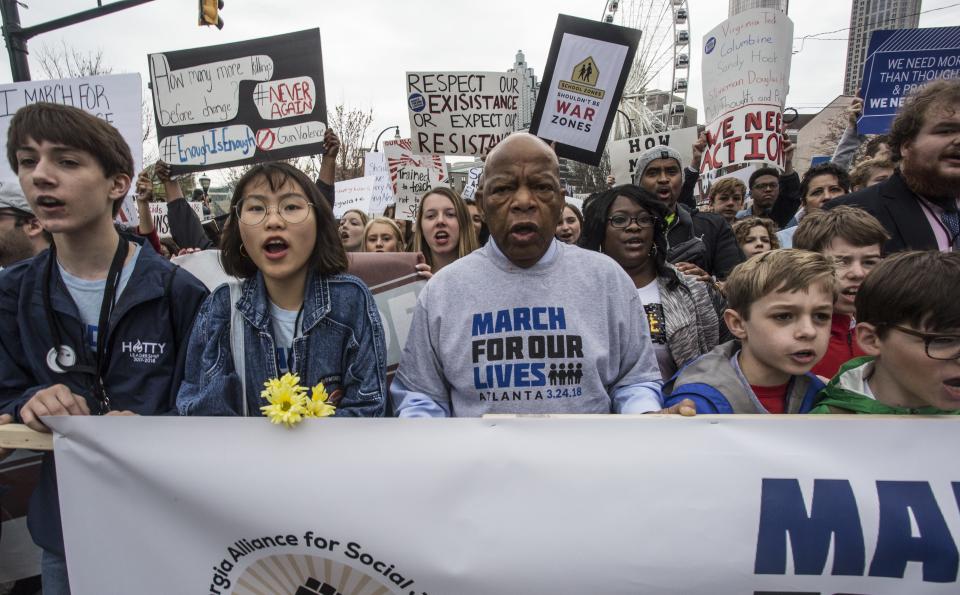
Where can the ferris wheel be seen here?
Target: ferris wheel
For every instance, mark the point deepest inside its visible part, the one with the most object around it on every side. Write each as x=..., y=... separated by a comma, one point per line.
x=655, y=95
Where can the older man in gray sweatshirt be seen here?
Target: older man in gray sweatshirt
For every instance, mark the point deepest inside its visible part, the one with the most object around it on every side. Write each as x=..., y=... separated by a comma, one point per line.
x=527, y=324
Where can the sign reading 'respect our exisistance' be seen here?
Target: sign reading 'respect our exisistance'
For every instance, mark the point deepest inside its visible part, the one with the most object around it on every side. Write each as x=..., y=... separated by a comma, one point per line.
x=461, y=113
x=746, y=74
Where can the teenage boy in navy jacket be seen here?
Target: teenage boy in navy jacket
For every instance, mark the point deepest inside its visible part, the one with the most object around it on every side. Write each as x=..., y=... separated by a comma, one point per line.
x=99, y=323
x=780, y=305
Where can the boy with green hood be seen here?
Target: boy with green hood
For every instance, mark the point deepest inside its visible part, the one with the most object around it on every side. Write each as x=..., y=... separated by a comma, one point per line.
x=908, y=323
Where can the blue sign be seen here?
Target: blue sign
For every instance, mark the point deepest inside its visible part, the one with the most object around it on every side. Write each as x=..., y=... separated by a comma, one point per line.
x=818, y=159
x=900, y=61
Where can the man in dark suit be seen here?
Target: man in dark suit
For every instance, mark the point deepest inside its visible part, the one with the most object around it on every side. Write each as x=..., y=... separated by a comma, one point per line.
x=918, y=205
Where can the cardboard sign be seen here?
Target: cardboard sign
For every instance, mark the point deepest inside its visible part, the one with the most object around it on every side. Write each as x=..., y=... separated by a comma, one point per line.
x=158, y=210
x=375, y=164
x=114, y=98
x=240, y=103
x=746, y=74
x=624, y=153
x=461, y=113
x=473, y=183
x=412, y=184
x=586, y=71
x=400, y=154
x=354, y=195
x=785, y=504
x=900, y=61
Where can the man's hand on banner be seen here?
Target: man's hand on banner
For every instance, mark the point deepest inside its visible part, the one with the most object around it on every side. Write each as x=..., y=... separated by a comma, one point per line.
x=123, y=413
x=685, y=408
x=53, y=400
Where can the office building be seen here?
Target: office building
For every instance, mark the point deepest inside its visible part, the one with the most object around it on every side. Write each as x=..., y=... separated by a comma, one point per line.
x=867, y=16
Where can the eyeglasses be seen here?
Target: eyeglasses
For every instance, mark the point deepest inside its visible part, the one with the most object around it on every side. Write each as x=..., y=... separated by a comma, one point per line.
x=940, y=347
x=622, y=221
x=767, y=186
x=292, y=209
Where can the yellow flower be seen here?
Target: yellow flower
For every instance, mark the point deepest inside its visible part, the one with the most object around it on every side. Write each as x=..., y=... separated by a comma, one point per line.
x=317, y=405
x=287, y=400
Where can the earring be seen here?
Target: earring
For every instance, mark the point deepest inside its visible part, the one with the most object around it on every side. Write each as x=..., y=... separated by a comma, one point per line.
x=242, y=253
x=653, y=251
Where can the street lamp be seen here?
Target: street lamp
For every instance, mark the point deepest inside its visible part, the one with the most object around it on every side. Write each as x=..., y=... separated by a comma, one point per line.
x=629, y=125
x=396, y=136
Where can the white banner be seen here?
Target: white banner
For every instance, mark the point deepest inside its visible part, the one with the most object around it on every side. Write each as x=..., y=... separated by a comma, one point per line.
x=736, y=504
x=461, y=113
x=624, y=153
x=746, y=76
x=158, y=210
x=115, y=98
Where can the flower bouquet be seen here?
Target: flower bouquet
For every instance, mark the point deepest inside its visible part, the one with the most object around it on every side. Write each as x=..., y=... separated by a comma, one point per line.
x=289, y=402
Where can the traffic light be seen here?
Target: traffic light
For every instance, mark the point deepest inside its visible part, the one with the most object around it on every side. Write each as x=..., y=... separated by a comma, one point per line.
x=209, y=13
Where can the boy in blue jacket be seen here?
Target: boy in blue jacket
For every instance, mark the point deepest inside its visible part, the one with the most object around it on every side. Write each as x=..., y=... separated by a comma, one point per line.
x=99, y=323
x=780, y=305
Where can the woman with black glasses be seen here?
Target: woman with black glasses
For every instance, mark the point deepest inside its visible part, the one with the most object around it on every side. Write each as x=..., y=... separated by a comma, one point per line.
x=684, y=315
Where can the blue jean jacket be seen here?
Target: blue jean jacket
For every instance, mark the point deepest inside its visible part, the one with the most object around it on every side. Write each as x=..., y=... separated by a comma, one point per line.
x=342, y=345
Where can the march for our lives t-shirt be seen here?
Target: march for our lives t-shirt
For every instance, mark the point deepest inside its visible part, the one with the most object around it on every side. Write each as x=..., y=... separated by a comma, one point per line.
x=88, y=296
x=558, y=337
x=653, y=307
x=284, y=331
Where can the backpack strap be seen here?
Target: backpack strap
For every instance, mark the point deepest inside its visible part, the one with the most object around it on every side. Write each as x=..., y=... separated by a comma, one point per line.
x=236, y=343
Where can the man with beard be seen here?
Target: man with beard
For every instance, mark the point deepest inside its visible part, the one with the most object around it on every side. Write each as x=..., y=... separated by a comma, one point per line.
x=21, y=235
x=514, y=327
x=698, y=244
x=918, y=205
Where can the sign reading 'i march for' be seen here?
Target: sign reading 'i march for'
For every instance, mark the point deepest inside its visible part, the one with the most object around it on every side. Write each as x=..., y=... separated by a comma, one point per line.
x=586, y=71
x=240, y=103
x=899, y=62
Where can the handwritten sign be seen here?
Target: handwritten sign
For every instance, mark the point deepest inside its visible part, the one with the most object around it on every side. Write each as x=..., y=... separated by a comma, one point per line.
x=353, y=195
x=746, y=73
x=624, y=153
x=115, y=98
x=158, y=211
x=461, y=113
x=899, y=62
x=400, y=155
x=586, y=72
x=240, y=103
x=412, y=184
x=473, y=182
x=375, y=164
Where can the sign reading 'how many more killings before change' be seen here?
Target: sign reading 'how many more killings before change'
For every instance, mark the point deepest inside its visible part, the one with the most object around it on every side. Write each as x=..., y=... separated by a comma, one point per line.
x=240, y=103
x=899, y=62
x=585, y=74
x=461, y=113
x=625, y=153
x=746, y=75
x=796, y=504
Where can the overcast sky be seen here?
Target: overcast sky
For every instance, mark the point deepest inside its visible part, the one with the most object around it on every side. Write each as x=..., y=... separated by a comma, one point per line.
x=369, y=44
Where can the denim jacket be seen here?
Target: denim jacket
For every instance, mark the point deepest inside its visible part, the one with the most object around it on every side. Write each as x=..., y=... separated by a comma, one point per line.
x=342, y=345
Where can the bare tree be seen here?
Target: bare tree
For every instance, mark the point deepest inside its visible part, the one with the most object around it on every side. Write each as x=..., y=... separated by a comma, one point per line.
x=351, y=126
x=68, y=62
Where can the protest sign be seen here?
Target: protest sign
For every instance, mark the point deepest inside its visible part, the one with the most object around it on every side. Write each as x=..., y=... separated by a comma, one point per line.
x=586, y=71
x=795, y=504
x=114, y=98
x=240, y=103
x=900, y=61
x=461, y=113
x=412, y=184
x=746, y=74
x=158, y=210
x=577, y=202
x=375, y=164
x=400, y=154
x=353, y=195
x=624, y=153
x=473, y=182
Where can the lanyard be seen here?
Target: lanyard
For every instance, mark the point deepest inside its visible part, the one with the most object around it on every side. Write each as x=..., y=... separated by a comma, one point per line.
x=106, y=308
x=296, y=334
